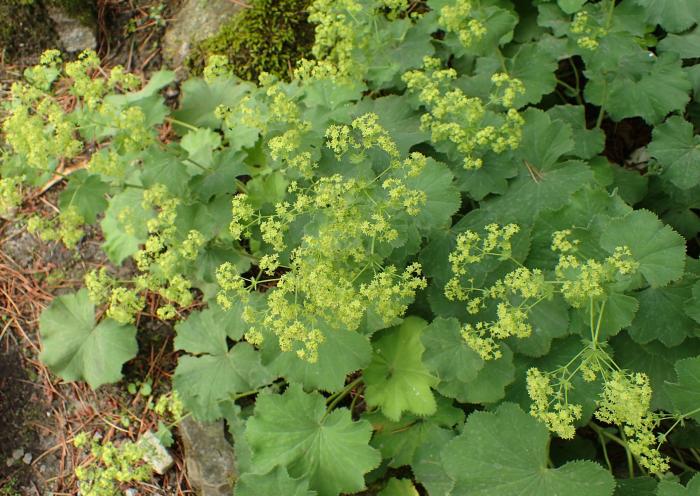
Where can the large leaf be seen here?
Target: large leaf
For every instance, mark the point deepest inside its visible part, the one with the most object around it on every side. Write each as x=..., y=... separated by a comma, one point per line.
x=659, y=250
x=204, y=382
x=673, y=15
x=396, y=379
x=661, y=316
x=505, y=452
x=124, y=225
x=685, y=392
x=294, y=431
x=77, y=348
x=276, y=482
x=678, y=151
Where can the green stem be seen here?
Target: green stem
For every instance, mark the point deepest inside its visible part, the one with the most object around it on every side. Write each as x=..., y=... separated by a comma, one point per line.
x=180, y=123
x=337, y=398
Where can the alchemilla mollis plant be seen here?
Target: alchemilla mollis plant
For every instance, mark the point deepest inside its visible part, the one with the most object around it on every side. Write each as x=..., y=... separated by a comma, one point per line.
x=414, y=256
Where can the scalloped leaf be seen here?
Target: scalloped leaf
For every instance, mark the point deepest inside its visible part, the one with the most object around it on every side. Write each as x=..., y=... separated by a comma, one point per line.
x=77, y=348
x=396, y=379
x=505, y=452
x=294, y=430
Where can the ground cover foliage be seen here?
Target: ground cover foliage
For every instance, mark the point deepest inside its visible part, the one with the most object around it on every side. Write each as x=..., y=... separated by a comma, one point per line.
x=421, y=273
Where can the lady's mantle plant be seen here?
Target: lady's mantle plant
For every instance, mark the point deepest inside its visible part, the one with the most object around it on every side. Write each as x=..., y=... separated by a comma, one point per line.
x=403, y=250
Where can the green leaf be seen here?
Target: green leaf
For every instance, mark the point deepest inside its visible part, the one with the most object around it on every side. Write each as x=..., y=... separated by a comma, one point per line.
x=656, y=361
x=200, y=145
x=535, y=68
x=588, y=142
x=341, y=353
x=571, y=6
x=670, y=488
x=275, y=482
x=677, y=149
x=427, y=464
x=396, y=378
x=399, y=487
x=692, y=306
x=651, y=90
x=442, y=198
x=659, y=250
x=294, y=431
x=516, y=444
x=206, y=331
x=398, y=441
x=447, y=355
x=205, y=382
x=200, y=99
x=672, y=15
x=685, y=392
x=86, y=192
x=686, y=45
x=76, y=348
x=639, y=486
x=124, y=225
x=661, y=316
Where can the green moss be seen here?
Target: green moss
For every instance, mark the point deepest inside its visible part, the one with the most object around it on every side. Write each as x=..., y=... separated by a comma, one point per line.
x=24, y=28
x=269, y=36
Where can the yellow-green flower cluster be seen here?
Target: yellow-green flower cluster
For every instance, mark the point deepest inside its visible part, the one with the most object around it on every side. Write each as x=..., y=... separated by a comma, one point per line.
x=336, y=31
x=583, y=280
x=108, y=163
x=217, y=66
x=625, y=401
x=110, y=466
x=455, y=18
x=10, y=193
x=66, y=227
x=550, y=406
x=455, y=117
x=514, y=294
x=587, y=30
x=333, y=277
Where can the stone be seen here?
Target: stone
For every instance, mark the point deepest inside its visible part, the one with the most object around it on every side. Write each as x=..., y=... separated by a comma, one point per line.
x=157, y=455
x=195, y=21
x=74, y=34
x=209, y=457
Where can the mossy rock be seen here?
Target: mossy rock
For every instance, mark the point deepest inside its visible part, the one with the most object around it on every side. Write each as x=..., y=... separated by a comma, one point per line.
x=25, y=28
x=269, y=36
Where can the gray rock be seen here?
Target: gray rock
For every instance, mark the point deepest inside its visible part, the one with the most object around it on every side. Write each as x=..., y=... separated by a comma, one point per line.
x=195, y=21
x=209, y=457
x=75, y=35
x=156, y=455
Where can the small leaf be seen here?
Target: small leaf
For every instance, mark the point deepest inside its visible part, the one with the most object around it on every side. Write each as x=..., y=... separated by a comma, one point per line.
x=399, y=487
x=76, y=348
x=396, y=379
x=86, y=192
x=293, y=430
x=200, y=145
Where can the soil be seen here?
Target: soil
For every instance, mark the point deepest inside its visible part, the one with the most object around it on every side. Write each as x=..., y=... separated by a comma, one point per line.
x=39, y=414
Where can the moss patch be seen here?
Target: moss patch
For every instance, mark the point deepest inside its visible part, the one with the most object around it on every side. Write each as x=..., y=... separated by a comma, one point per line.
x=269, y=36
x=25, y=28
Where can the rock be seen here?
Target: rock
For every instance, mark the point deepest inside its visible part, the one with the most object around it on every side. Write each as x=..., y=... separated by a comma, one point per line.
x=75, y=35
x=195, y=21
x=131, y=492
x=27, y=458
x=209, y=457
x=156, y=454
